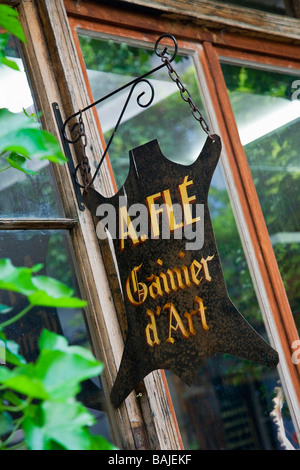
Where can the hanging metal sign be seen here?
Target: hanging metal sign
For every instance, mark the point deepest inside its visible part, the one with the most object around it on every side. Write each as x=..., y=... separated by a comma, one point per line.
x=177, y=306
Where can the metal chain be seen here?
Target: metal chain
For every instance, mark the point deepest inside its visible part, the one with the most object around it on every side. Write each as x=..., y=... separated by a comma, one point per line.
x=84, y=163
x=186, y=96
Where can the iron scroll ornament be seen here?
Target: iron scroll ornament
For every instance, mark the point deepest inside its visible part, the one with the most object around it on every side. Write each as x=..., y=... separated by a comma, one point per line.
x=177, y=306
x=78, y=128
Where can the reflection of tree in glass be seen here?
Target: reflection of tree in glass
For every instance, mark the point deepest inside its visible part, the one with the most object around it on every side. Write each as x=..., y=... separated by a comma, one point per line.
x=275, y=165
x=112, y=56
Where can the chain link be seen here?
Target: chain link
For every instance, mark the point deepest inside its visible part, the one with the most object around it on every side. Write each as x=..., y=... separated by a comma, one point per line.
x=186, y=96
x=84, y=163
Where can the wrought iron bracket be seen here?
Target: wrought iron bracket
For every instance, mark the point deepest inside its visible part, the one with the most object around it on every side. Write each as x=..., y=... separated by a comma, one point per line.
x=166, y=62
x=68, y=156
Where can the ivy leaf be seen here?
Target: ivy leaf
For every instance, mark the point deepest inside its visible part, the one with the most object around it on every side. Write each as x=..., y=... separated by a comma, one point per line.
x=9, y=21
x=60, y=425
x=41, y=291
x=57, y=373
x=53, y=293
x=63, y=367
x=20, y=163
x=5, y=375
x=50, y=341
x=23, y=380
x=100, y=443
x=9, y=63
x=22, y=135
x=12, y=355
x=17, y=279
x=6, y=423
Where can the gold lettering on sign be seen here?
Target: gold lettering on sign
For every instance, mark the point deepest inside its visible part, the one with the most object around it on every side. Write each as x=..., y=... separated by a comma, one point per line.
x=170, y=211
x=174, y=314
x=154, y=212
x=186, y=201
x=151, y=328
x=125, y=222
x=175, y=322
x=201, y=310
x=135, y=288
x=159, y=203
x=167, y=282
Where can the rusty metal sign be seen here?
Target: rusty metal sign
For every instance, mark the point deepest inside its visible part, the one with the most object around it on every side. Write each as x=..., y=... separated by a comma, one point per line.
x=177, y=306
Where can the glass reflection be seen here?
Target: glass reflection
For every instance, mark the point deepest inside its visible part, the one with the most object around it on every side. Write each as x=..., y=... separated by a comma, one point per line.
x=21, y=195
x=267, y=111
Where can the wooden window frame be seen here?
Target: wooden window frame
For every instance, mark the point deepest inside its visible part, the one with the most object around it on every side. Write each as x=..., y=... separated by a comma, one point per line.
x=279, y=49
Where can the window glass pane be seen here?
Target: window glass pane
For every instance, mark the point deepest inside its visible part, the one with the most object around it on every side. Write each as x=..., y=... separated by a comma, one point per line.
x=268, y=113
x=21, y=195
x=53, y=249
x=229, y=405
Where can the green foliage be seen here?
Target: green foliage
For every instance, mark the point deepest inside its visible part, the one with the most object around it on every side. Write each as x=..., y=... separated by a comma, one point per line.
x=253, y=81
x=9, y=21
x=110, y=56
x=40, y=397
x=22, y=139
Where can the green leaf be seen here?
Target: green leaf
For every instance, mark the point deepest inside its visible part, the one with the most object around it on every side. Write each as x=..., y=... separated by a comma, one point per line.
x=53, y=293
x=63, y=367
x=41, y=291
x=51, y=341
x=3, y=40
x=12, y=355
x=100, y=443
x=23, y=380
x=9, y=21
x=8, y=395
x=57, y=373
x=32, y=115
x=64, y=424
x=5, y=375
x=20, y=163
x=9, y=63
x=6, y=423
x=15, y=279
x=54, y=288
x=42, y=299
x=22, y=135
